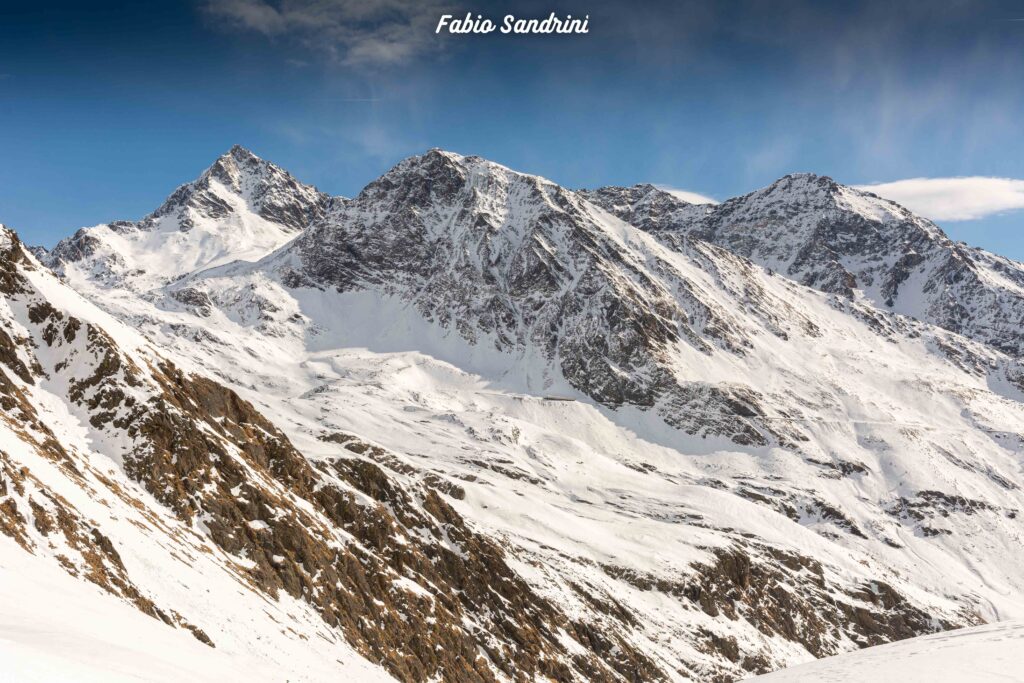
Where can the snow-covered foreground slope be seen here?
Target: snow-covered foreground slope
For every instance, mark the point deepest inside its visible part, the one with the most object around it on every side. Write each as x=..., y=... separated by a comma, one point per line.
x=750, y=473
x=993, y=653
x=57, y=628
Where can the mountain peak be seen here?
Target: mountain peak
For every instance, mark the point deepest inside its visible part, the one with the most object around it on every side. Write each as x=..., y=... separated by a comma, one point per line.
x=12, y=252
x=640, y=191
x=10, y=243
x=419, y=179
x=444, y=154
x=239, y=151
x=241, y=207
x=233, y=164
x=243, y=156
x=8, y=240
x=264, y=187
x=436, y=160
x=809, y=178
x=804, y=183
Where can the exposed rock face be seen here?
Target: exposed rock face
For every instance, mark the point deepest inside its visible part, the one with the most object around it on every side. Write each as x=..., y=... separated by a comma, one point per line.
x=517, y=262
x=841, y=240
x=741, y=584
x=646, y=206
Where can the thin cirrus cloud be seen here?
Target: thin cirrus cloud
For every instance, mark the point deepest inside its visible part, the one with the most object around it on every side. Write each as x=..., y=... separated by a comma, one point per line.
x=954, y=199
x=351, y=32
x=687, y=196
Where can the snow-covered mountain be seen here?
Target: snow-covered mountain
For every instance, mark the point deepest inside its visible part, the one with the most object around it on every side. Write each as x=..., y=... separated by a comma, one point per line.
x=242, y=207
x=688, y=466
x=850, y=242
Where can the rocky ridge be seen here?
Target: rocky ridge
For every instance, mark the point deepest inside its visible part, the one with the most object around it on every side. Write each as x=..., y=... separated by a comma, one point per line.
x=849, y=242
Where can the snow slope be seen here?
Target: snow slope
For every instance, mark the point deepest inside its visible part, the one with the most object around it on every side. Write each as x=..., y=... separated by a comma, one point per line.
x=984, y=654
x=57, y=628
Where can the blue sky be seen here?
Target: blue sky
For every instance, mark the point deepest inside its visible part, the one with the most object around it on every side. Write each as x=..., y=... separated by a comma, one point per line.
x=105, y=108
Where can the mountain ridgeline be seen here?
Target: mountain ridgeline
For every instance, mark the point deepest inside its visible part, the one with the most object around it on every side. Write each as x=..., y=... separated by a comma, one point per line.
x=788, y=425
x=848, y=242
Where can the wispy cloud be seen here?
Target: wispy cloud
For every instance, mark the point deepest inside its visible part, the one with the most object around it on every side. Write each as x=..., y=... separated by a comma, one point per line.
x=352, y=32
x=954, y=199
x=687, y=196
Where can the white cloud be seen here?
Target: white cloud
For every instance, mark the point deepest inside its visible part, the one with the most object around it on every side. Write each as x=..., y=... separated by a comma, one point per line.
x=353, y=32
x=954, y=199
x=687, y=196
